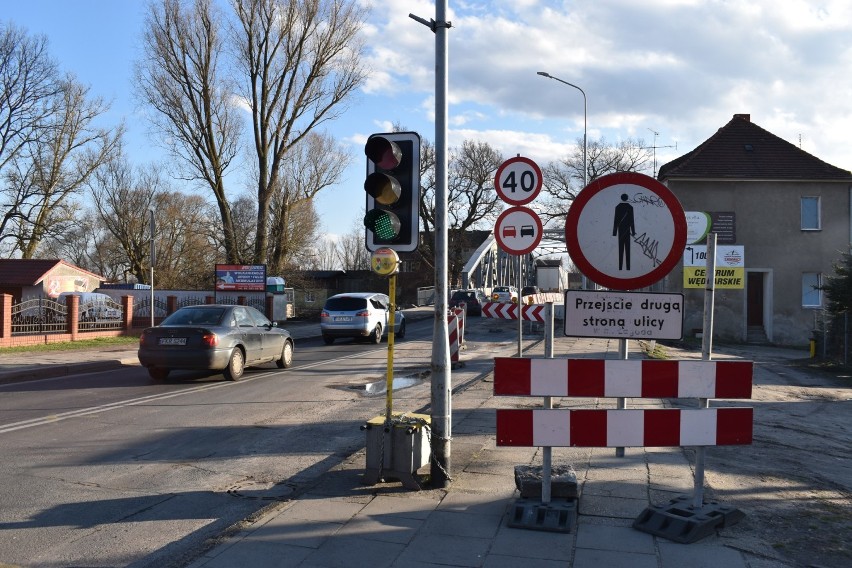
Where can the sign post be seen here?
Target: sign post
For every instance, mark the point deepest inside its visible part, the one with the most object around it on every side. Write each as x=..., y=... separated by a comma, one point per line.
x=625, y=231
x=385, y=262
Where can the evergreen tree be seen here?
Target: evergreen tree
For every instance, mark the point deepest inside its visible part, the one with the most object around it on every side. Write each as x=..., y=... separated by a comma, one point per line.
x=838, y=288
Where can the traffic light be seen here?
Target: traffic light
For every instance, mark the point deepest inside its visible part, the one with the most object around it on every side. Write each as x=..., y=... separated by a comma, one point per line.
x=393, y=191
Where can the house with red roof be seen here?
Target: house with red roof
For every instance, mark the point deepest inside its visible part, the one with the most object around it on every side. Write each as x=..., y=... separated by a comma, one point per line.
x=24, y=279
x=787, y=209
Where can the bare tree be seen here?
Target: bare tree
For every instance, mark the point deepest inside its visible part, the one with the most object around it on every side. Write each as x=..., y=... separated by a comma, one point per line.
x=296, y=62
x=122, y=201
x=28, y=86
x=472, y=200
x=185, y=255
x=315, y=163
x=352, y=255
x=183, y=79
x=300, y=61
x=563, y=179
x=326, y=257
x=49, y=170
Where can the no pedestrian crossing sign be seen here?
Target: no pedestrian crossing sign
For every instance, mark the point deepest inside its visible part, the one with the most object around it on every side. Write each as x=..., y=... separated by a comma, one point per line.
x=625, y=231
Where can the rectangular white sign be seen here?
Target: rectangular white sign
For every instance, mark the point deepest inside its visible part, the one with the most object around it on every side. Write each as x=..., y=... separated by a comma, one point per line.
x=623, y=315
x=730, y=256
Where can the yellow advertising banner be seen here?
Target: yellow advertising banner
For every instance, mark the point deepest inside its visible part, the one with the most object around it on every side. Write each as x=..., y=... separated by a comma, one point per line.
x=726, y=277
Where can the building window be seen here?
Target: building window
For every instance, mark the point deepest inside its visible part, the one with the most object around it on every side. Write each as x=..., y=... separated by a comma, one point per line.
x=811, y=220
x=309, y=298
x=811, y=293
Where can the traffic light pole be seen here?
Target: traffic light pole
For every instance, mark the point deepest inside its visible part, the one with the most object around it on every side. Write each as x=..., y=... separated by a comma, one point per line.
x=441, y=364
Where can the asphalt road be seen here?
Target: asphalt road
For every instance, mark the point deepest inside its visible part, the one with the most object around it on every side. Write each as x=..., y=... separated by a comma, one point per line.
x=114, y=469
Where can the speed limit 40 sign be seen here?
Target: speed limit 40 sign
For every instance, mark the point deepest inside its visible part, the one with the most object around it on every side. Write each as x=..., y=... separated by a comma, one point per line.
x=518, y=180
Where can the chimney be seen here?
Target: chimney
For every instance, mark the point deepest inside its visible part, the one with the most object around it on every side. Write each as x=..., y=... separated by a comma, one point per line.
x=746, y=117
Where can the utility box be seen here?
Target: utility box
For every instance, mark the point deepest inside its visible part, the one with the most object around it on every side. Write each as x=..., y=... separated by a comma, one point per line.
x=396, y=450
x=275, y=284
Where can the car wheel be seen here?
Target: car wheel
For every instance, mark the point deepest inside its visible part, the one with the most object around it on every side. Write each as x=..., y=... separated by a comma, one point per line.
x=286, y=359
x=328, y=339
x=376, y=336
x=158, y=373
x=401, y=333
x=236, y=365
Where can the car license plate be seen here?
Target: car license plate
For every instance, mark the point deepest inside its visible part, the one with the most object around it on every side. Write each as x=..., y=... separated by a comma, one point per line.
x=172, y=341
x=343, y=318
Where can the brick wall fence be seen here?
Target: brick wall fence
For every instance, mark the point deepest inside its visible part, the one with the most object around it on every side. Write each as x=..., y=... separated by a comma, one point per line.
x=72, y=332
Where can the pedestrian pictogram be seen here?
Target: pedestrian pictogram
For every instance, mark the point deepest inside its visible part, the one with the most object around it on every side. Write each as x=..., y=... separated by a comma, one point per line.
x=625, y=231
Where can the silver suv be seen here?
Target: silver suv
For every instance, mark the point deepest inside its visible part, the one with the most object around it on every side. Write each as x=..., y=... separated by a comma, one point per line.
x=359, y=314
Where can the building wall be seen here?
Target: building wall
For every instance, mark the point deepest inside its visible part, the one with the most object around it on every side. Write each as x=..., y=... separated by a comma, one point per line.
x=768, y=225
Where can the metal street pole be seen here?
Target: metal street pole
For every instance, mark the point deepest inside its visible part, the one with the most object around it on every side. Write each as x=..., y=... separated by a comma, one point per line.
x=441, y=377
x=151, y=210
x=585, y=118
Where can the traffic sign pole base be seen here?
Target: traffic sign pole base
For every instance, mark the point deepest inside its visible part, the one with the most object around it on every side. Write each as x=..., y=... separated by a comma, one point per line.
x=678, y=521
x=560, y=515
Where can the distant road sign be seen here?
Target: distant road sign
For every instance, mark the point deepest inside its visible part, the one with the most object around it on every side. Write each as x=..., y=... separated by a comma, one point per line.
x=518, y=181
x=625, y=231
x=518, y=230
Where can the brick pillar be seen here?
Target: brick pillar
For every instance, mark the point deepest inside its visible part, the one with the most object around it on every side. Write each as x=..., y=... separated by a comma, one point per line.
x=241, y=300
x=72, y=302
x=209, y=300
x=268, y=306
x=171, y=305
x=5, y=316
x=127, y=310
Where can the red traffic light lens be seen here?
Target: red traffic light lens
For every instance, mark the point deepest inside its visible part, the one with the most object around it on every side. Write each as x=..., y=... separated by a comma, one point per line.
x=382, y=152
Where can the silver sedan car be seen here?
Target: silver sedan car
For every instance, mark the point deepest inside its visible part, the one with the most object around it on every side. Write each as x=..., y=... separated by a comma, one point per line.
x=214, y=337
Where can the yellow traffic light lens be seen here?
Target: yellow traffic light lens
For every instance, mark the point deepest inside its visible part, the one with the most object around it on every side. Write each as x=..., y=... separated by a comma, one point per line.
x=383, y=188
x=384, y=224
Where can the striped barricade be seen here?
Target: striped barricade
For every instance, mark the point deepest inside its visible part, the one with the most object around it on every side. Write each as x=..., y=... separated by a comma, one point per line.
x=499, y=310
x=455, y=327
x=620, y=428
x=610, y=378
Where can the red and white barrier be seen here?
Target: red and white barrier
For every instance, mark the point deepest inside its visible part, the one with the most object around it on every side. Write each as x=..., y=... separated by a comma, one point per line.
x=453, y=328
x=630, y=379
x=510, y=311
x=625, y=428
x=622, y=378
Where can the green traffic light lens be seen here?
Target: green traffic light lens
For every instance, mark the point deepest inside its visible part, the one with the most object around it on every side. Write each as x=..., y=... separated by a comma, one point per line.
x=384, y=224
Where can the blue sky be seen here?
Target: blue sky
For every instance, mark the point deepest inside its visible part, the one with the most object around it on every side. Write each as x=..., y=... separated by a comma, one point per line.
x=681, y=68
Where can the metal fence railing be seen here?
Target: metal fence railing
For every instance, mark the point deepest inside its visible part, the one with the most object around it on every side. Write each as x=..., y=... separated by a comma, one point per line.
x=38, y=316
x=832, y=336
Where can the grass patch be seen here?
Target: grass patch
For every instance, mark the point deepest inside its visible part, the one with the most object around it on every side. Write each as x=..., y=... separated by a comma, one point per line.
x=94, y=343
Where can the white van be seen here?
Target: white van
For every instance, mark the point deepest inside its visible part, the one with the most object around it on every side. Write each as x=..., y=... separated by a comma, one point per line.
x=94, y=306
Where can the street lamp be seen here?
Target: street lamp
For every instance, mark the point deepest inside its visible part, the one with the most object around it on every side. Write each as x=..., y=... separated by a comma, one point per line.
x=585, y=115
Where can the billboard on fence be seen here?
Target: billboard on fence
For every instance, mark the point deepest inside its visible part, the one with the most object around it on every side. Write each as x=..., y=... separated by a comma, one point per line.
x=240, y=277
